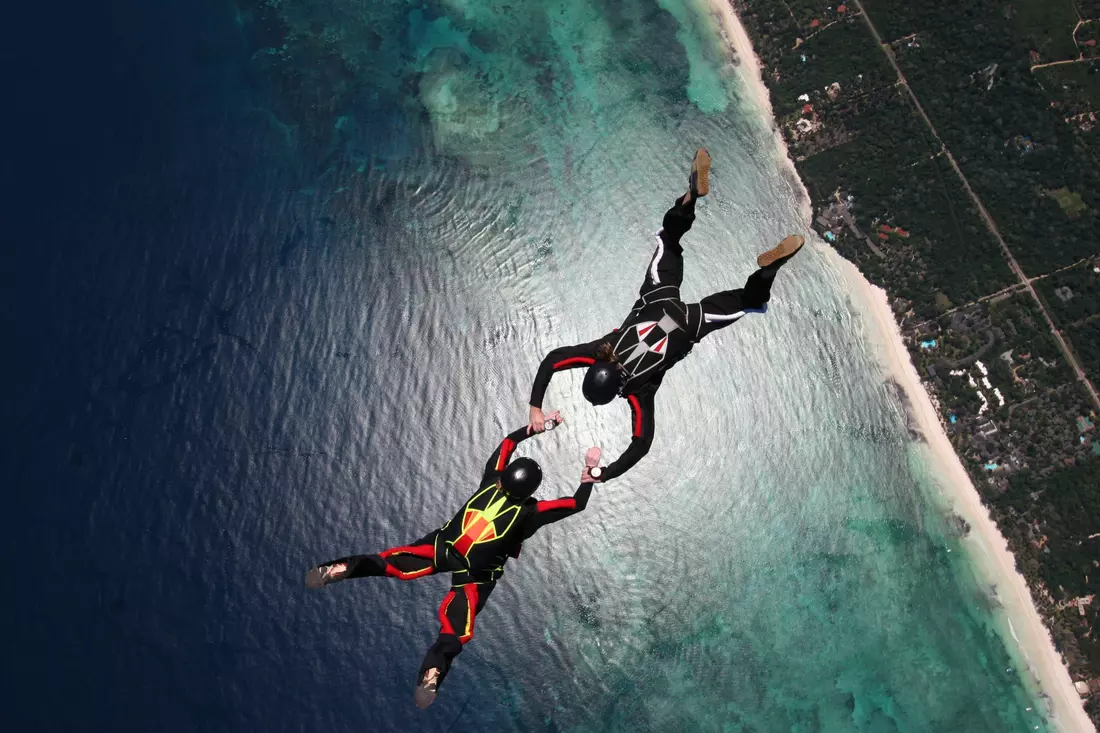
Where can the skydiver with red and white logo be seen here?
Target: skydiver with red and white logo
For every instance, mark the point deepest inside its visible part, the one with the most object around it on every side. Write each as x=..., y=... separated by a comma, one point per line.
x=661, y=329
x=473, y=546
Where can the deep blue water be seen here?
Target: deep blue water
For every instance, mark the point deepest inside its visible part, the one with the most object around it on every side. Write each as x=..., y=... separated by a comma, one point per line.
x=114, y=297
x=226, y=312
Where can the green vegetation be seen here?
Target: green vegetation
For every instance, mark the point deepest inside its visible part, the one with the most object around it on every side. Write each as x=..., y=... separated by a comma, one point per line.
x=1088, y=8
x=972, y=74
x=1075, y=88
x=885, y=194
x=948, y=255
x=1083, y=298
x=1069, y=201
x=1088, y=38
x=834, y=54
x=1066, y=526
x=1048, y=24
x=852, y=130
x=1086, y=339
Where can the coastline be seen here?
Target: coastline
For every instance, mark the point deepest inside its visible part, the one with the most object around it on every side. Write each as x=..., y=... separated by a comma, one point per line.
x=986, y=547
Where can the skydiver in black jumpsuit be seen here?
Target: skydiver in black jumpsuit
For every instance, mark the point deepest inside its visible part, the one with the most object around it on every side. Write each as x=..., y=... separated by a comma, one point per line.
x=474, y=546
x=661, y=329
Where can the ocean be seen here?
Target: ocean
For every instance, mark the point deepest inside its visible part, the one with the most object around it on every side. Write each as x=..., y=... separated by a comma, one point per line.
x=279, y=276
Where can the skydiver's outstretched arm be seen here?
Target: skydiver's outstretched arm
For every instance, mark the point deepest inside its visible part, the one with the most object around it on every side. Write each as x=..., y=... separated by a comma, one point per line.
x=561, y=358
x=503, y=453
x=554, y=510
x=642, y=430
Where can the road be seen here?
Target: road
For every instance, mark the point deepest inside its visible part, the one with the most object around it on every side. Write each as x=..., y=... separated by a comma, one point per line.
x=1059, y=63
x=1009, y=290
x=1025, y=281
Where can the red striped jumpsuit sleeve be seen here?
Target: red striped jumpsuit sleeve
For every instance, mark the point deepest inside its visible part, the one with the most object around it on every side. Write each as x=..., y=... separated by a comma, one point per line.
x=554, y=510
x=564, y=357
x=503, y=453
x=641, y=431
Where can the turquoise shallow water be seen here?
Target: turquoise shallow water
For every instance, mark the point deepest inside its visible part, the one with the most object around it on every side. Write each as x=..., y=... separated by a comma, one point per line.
x=299, y=333
x=774, y=564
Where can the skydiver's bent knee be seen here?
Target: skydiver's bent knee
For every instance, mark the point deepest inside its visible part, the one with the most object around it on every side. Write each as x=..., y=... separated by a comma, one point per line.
x=678, y=220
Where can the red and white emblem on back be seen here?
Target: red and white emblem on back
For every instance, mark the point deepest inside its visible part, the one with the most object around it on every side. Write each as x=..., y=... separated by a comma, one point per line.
x=652, y=339
x=643, y=330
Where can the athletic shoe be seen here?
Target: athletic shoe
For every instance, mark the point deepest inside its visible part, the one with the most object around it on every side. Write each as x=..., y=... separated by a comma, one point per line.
x=699, y=180
x=325, y=574
x=781, y=252
x=425, y=692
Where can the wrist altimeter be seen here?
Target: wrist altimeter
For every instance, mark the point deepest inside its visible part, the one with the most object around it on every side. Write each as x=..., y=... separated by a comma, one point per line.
x=595, y=472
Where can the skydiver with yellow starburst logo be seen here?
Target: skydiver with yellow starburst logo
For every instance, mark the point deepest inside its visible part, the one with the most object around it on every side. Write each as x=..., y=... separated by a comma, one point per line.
x=474, y=546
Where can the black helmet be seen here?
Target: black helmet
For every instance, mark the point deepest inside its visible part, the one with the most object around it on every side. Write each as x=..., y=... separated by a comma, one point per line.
x=601, y=383
x=521, y=478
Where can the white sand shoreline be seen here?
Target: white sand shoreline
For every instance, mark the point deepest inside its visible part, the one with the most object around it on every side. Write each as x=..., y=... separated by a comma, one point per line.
x=987, y=548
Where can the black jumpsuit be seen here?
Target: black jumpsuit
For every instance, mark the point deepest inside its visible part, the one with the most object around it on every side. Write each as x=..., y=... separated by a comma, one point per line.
x=473, y=546
x=660, y=331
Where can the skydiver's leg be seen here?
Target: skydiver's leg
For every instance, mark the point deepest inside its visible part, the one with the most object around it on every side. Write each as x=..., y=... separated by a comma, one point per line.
x=722, y=309
x=717, y=311
x=666, y=267
x=456, y=621
x=405, y=562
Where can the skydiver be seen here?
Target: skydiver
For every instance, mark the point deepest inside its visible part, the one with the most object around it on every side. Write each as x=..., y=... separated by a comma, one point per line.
x=661, y=329
x=473, y=546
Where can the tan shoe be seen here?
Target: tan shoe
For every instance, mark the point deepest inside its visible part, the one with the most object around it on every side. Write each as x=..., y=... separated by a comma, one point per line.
x=425, y=692
x=322, y=575
x=700, y=173
x=781, y=252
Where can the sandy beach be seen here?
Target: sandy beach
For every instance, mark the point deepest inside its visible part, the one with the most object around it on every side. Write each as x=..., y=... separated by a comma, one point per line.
x=986, y=547
x=748, y=63
x=988, y=550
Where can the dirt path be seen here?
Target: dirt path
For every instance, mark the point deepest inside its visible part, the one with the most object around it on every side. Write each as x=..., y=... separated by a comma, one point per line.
x=1059, y=63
